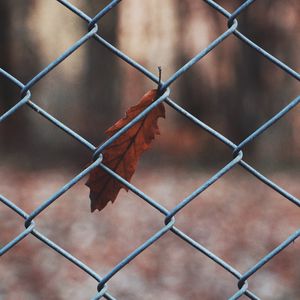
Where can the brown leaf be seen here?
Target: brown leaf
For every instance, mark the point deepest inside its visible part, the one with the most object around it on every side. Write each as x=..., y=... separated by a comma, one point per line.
x=123, y=154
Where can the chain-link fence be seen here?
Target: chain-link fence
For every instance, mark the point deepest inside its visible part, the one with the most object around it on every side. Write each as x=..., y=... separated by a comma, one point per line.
x=168, y=216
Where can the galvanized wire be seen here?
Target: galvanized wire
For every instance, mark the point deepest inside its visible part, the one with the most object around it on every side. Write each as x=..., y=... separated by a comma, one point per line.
x=169, y=216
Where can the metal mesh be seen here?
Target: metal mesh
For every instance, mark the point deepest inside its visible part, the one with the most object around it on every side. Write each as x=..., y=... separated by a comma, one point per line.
x=169, y=216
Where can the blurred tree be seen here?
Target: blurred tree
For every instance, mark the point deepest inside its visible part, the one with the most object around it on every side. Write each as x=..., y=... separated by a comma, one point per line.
x=6, y=61
x=149, y=36
x=16, y=58
x=101, y=78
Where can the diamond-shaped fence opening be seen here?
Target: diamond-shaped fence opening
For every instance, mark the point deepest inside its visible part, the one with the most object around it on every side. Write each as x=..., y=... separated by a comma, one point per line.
x=168, y=224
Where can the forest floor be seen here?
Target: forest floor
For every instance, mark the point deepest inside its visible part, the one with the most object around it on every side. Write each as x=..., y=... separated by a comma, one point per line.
x=238, y=218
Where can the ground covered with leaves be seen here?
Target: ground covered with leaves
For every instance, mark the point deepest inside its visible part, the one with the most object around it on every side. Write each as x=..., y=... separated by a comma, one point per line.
x=238, y=218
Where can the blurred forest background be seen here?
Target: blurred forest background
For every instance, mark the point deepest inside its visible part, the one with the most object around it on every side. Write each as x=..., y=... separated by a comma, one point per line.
x=233, y=89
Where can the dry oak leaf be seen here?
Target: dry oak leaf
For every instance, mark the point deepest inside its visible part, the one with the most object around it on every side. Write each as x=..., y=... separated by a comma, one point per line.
x=123, y=154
